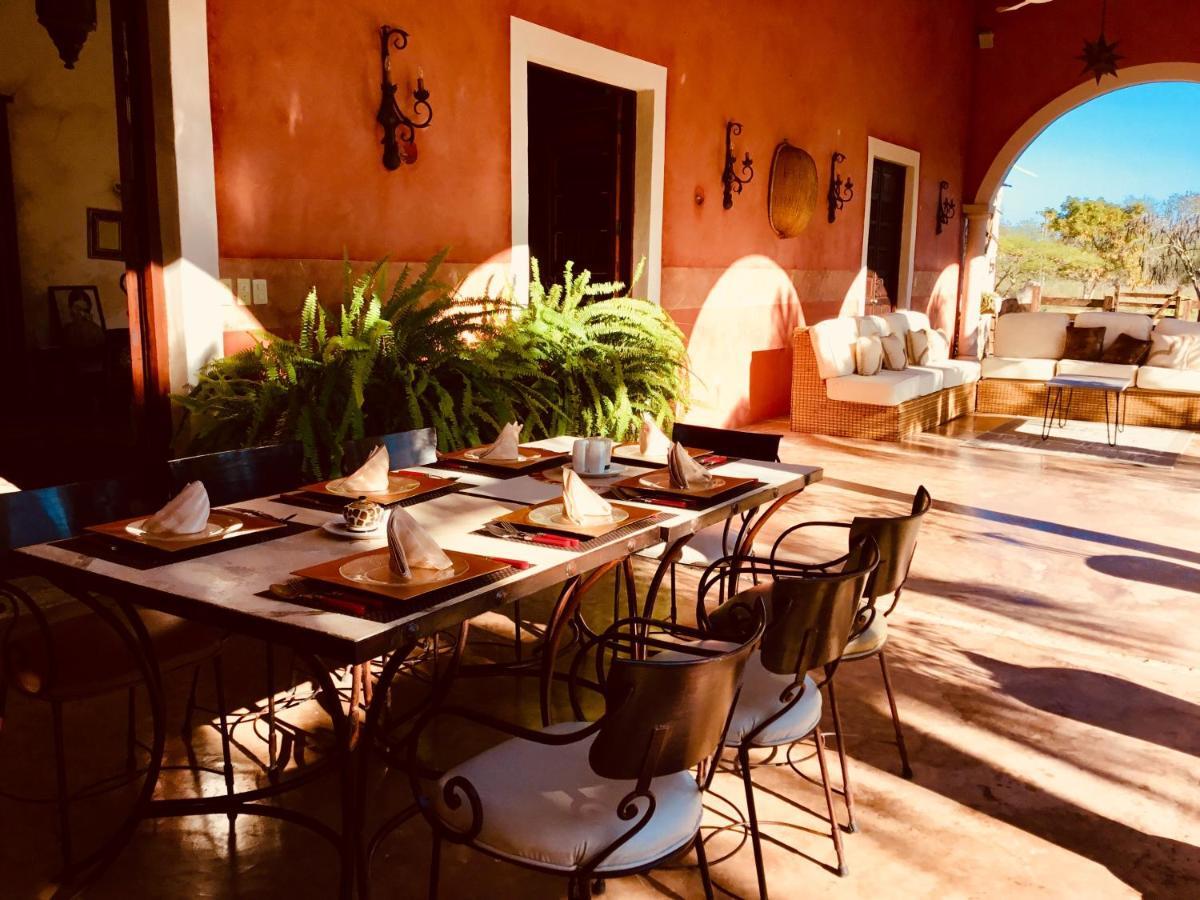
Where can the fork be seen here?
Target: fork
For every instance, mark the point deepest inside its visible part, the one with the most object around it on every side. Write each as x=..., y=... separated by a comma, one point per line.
x=508, y=530
x=246, y=511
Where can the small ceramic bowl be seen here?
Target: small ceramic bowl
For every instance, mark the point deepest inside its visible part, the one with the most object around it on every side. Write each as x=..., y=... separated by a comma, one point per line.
x=362, y=514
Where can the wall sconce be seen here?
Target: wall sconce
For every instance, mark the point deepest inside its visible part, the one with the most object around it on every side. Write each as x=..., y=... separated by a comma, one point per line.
x=840, y=193
x=68, y=22
x=390, y=116
x=945, y=206
x=731, y=181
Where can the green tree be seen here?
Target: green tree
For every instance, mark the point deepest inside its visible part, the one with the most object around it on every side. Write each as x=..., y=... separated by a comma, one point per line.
x=1173, y=256
x=1116, y=234
x=1024, y=257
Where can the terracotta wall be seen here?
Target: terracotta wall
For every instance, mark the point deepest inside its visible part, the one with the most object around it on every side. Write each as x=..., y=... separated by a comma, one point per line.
x=299, y=181
x=1034, y=59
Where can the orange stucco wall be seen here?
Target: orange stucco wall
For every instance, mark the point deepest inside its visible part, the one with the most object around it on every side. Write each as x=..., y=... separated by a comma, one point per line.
x=299, y=180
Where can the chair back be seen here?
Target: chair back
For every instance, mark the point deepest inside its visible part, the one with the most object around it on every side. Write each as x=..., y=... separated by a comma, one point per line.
x=405, y=448
x=234, y=476
x=810, y=616
x=727, y=442
x=897, y=541
x=665, y=715
x=54, y=513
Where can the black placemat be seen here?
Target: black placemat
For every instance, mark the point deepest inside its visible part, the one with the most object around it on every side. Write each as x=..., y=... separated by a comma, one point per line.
x=629, y=495
x=502, y=473
x=331, y=504
x=616, y=534
x=143, y=557
x=383, y=609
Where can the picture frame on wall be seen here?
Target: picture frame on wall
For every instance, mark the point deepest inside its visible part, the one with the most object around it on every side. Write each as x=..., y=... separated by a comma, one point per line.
x=77, y=316
x=104, y=234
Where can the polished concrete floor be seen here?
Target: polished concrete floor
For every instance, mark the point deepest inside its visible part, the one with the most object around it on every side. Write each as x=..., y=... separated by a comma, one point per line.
x=1045, y=656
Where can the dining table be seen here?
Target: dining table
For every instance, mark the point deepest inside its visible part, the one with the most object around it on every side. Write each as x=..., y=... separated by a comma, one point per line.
x=230, y=588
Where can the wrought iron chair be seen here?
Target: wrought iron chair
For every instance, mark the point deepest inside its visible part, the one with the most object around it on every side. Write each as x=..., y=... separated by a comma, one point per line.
x=405, y=448
x=234, y=476
x=809, y=617
x=716, y=541
x=896, y=538
x=59, y=660
x=591, y=801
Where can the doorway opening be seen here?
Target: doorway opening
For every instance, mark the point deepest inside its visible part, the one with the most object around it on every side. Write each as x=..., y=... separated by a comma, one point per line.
x=581, y=174
x=890, y=224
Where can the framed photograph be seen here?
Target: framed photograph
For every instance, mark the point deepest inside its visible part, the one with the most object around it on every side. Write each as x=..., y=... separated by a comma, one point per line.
x=77, y=316
x=104, y=234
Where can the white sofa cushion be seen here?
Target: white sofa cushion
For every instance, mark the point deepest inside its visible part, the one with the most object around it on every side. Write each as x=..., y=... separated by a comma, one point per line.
x=1115, y=323
x=1019, y=369
x=872, y=326
x=956, y=372
x=1174, y=351
x=833, y=343
x=905, y=320
x=1176, y=326
x=932, y=379
x=544, y=804
x=1030, y=336
x=895, y=354
x=885, y=389
x=1098, y=369
x=1179, y=381
x=926, y=346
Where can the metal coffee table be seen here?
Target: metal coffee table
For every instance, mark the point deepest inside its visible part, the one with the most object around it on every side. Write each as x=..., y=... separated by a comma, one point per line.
x=1057, y=412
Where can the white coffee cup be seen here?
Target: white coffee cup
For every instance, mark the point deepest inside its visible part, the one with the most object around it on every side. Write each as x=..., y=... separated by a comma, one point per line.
x=591, y=456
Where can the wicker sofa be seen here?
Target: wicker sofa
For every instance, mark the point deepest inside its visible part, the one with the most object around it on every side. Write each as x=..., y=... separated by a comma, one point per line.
x=829, y=398
x=1028, y=351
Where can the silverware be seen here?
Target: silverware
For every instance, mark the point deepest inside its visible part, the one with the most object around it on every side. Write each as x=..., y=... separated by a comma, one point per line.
x=506, y=530
x=246, y=511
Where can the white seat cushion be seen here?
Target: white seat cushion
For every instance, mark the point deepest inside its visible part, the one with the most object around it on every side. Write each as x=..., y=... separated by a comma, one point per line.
x=759, y=700
x=1019, y=369
x=1116, y=323
x=870, y=640
x=888, y=388
x=545, y=805
x=1101, y=369
x=1030, y=336
x=957, y=371
x=932, y=378
x=1178, y=381
x=833, y=343
x=702, y=550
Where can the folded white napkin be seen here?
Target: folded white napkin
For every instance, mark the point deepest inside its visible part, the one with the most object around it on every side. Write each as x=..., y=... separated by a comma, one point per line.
x=684, y=471
x=652, y=441
x=7, y=487
x=507, y=446
x=372, y=476
x=412, y=547
x=580, y=503
x=186, y=513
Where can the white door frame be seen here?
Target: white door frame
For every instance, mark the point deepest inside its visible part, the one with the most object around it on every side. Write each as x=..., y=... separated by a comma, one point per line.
x=535, y=44
x=911, y=160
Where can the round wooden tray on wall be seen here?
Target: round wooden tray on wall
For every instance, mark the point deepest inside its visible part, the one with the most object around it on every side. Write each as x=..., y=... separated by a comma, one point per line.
x=792, y=192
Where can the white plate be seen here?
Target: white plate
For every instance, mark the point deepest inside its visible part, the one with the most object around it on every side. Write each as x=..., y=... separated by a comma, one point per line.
x=339, y=529
x=613, y=470
x=554, y=515
x=477, y=456
x=397, y=484
x=634, y=451
x=217, y=526
x=661, y=481
x=376, y=569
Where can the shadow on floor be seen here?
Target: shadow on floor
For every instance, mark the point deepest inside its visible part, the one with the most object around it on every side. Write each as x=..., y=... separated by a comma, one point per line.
x=1147, y=571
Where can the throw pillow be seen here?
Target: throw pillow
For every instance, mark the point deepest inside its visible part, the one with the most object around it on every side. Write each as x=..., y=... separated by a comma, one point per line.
x=1084, y=344
x=868, y=355
x=894, y=357
x=927, y=346
x=939, y=346
x=1174, y=351
x=1126, y=350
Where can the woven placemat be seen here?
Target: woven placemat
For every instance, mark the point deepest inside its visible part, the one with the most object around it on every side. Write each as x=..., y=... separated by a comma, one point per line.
x=143, y=557
x=613, y=536
x=383, y=609
x=329, y=503
x=499, y=472
x=650, y=498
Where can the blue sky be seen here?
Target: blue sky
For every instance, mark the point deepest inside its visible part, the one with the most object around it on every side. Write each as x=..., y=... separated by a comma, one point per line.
x=1142, y=141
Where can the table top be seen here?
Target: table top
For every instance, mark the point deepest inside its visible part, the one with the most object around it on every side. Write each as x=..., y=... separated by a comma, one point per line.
x=1093, y=382
x=222, y=589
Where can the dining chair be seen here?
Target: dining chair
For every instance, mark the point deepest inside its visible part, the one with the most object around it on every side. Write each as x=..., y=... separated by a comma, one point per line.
x=720, y=540
x=405, y=448
x=896, y=537
x=49, y=657
x=234, y=476
x=809, y=618
x=595, y=800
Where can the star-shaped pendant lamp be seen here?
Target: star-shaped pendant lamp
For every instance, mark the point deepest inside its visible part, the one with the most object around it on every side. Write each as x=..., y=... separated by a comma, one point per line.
x=1099, y=56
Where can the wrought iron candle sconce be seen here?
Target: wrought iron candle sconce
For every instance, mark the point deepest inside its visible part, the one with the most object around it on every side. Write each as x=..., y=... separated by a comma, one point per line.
x=945, y=206
x=732, y=182
x=390, y=116
x=840, y=192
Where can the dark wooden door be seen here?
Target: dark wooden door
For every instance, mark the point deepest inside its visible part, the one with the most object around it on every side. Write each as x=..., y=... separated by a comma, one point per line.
x=886, y=232
x=12, y=315
x=581, y=140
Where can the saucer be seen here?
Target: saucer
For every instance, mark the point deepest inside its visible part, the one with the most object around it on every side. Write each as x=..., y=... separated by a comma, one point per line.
x=339, y=529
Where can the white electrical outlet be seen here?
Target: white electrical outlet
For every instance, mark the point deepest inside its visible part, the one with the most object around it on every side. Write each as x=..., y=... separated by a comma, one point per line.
x=227, y=294
x=243, y=291
x=260, y=291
